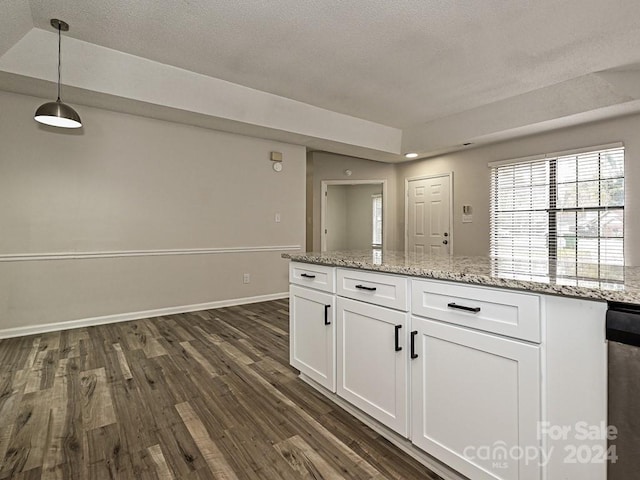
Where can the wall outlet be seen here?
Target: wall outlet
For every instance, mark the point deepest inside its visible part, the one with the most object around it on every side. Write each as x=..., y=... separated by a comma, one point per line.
x=246, y=278
x=467, y=218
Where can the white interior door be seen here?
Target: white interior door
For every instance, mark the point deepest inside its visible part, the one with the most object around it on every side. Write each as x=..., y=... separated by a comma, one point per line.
x=428, y=228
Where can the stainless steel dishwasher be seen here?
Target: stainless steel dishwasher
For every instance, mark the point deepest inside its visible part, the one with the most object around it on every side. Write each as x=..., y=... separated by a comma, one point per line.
x=623, y=334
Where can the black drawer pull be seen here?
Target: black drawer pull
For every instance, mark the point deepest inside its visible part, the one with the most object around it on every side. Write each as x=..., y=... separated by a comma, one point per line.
x=326, y=315
x=306, y=275
x=368, y=289
x=413, y=344
x=398, y=347
x=463, y=307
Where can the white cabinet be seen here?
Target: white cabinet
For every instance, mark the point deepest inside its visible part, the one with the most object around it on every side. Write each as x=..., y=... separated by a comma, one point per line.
x=312, y=334
x=475, y=396
x=372, y=361
x=472, y=375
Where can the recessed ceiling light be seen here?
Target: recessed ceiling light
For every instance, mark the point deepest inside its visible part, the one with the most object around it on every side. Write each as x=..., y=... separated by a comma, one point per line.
x=411, y=155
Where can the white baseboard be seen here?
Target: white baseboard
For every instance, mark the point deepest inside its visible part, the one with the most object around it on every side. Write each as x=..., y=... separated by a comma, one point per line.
x=124, y=317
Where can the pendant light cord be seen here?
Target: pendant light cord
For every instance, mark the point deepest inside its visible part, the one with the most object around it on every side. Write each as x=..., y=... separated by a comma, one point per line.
x=59, y=55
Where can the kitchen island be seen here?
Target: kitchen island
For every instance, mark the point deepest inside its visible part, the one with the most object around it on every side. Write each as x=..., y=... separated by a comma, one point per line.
x=477, y=367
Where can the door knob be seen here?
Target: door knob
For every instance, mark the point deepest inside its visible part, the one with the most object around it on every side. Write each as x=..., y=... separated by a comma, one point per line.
x=445, y=234
x=445, y=242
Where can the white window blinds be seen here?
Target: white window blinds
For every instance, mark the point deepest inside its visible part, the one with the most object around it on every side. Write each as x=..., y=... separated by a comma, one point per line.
x=561, y=216
x=376, y=221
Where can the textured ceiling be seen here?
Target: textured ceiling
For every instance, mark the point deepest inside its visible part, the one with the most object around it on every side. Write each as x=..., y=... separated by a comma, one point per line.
x=430, y=74
x=399, y=63
x=15, y=21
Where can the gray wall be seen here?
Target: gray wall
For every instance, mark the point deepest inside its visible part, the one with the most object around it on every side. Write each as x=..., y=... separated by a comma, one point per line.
x=360, y=215
x=131, y=183
x=329, y=166
x=349, y=216
x=337, y=217
x=471, y=178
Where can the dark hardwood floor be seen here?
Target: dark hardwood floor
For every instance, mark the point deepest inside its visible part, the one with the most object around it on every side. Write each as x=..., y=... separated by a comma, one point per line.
x=205, y=395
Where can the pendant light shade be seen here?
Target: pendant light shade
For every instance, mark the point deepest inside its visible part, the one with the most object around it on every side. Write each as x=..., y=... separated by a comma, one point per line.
x=58, y=114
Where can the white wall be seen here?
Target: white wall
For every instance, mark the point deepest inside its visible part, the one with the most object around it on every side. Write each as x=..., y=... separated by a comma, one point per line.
x=131, y=183
x=471, y=178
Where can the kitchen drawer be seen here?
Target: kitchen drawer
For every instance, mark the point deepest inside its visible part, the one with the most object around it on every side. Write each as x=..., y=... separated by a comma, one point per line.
x=512, y=314
x=377, y=288
x=309, y=275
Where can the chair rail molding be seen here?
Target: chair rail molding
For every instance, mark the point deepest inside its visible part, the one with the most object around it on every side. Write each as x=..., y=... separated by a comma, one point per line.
x=28, y=257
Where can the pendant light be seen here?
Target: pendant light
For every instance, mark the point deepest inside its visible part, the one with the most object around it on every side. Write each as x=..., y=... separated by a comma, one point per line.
x=58, y=114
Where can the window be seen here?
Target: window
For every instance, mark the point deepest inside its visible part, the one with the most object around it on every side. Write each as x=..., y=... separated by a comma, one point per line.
x=560, y=216
x=377, y=221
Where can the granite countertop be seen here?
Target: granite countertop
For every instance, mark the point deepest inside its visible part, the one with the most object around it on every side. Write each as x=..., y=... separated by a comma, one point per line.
x=579, y=280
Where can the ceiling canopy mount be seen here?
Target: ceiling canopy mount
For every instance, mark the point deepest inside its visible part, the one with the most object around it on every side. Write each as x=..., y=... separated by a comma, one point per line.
x=59, y=25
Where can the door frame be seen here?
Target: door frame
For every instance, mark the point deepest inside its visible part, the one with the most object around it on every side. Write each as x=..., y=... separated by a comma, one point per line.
x=323, y=206
x=406, y=207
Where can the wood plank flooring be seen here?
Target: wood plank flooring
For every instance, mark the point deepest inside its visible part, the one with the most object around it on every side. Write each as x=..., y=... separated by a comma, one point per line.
x=206, y=395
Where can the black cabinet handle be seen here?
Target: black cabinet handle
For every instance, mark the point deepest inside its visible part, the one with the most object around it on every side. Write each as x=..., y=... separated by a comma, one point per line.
x=398, y=347
x=413, y=344
x=306, y=275
x=463, y=307
x=368, y=289
x=326, y=315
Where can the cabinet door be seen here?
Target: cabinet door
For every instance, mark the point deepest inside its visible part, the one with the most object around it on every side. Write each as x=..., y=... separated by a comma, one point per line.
x=475, y=396
x=312, y=335
x=372, y=367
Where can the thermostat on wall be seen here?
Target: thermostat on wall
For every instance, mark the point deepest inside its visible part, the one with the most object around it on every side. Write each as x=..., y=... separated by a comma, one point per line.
x=277, y=166
x=467, y=214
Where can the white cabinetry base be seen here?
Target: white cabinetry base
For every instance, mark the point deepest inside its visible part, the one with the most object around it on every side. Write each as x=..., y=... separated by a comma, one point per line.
x=399, y=441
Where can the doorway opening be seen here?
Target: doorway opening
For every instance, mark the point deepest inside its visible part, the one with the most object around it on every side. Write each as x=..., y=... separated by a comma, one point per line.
x=352, y=214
